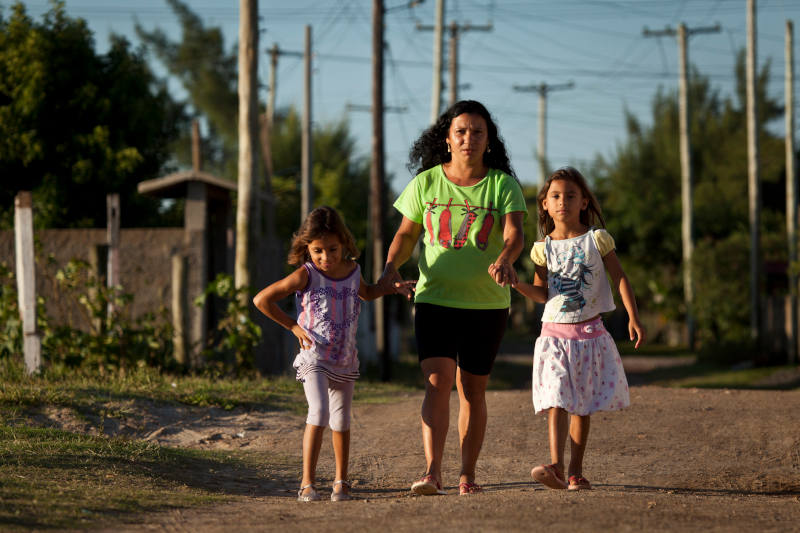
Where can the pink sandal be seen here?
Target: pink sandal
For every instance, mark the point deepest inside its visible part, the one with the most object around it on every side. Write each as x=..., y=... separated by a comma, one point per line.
x=579, y=483
x=466, y=488
x=427, y=486
x=550, y=476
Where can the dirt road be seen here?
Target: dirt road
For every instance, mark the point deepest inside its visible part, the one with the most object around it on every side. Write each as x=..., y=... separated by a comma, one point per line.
x=676, y=460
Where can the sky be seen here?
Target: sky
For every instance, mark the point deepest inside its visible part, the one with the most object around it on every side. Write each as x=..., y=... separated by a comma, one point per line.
x=598, y=46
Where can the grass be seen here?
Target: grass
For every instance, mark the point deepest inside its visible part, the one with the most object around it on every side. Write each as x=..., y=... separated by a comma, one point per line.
x=57, y=479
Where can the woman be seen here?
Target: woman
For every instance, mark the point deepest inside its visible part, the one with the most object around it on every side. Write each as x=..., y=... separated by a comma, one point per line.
x=469, y=206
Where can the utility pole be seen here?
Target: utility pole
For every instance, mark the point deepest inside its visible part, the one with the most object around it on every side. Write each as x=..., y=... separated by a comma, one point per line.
x=791, y=196
x=543, y=89
x=455, y=31
x=753, y=178
x=307, y=192
x=376, y=179
x=272, y=89
x=248, y=135
x=436, y=93
x=687, y=203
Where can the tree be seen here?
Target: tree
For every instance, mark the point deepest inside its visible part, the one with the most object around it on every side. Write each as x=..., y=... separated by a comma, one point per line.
x=639, y=190
x=75, y=125
x=208, y=73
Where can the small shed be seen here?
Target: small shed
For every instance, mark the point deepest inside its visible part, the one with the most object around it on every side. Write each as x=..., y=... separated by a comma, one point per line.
x=208, y=250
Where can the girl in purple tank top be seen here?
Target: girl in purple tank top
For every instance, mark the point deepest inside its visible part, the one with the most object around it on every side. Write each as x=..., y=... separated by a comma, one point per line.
x=328, y=288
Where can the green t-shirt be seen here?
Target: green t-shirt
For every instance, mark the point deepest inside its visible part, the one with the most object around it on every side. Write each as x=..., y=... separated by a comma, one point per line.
x=462, y=236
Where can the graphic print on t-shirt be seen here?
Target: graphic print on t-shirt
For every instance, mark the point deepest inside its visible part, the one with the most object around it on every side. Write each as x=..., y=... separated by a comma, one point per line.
x=569, y=277
x=469, y=213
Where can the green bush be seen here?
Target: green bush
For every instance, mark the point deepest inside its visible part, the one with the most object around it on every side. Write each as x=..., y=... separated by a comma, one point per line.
x=722, y=298
x=230, y=345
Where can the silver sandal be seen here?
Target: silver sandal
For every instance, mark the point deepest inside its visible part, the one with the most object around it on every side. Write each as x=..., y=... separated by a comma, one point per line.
x=341, y=496
x=312, y=495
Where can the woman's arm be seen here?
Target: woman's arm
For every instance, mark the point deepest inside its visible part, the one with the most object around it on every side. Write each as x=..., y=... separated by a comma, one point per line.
x=403, y=243
x=267, y=302
x=502, y=270
x=622, y=285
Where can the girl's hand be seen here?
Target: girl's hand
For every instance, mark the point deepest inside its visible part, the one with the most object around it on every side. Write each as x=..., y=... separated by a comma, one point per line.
x=636, y=331
x=302, y=337
x=503, y=274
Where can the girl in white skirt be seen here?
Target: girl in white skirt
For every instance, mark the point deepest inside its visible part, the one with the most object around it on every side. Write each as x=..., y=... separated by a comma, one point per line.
x=576, y=366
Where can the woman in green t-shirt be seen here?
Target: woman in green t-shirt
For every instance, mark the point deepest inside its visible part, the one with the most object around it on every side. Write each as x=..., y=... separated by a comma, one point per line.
x=468, y=206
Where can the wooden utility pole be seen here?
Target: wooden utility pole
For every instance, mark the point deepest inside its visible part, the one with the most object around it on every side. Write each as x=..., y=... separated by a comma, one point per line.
x=26, y=280
x=376, y=178
x=268, y=120
x=248, y=136
x=455, y=31
x=753, y=178
x=685, y=143
x=307, y=192
x=543, y=89
x=436, y=93
x=273, y=77
x=791, y=197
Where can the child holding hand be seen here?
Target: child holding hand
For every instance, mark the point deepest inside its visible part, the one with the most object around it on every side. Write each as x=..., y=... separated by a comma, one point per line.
x=328, y=288
x=577, y=369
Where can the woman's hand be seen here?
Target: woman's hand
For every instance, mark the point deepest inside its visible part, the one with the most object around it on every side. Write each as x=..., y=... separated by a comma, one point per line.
x=503, y=273
x=392, y=283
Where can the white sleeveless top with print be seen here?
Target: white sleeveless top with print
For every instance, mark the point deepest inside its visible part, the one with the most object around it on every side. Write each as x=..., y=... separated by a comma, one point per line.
x=577, y=284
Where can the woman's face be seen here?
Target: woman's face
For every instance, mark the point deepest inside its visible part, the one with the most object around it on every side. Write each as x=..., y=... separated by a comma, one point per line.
x=468, y=138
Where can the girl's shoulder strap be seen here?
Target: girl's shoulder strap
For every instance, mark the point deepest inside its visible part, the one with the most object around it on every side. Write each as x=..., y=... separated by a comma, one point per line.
x=310, y=272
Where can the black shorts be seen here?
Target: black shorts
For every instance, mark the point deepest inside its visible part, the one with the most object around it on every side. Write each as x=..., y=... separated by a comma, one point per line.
x=471, y=337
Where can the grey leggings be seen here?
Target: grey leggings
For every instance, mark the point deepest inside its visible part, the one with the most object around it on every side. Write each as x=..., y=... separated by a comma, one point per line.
x=328, y=401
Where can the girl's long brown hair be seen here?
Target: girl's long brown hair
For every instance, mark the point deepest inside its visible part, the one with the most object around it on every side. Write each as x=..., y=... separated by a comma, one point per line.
x=590, y=216
x=321, y=221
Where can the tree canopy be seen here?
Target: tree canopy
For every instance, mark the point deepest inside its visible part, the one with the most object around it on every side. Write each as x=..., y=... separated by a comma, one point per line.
x=640, y=192
x=76, y=125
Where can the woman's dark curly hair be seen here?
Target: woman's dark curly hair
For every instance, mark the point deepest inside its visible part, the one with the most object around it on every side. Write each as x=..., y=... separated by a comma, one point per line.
x=431, y=147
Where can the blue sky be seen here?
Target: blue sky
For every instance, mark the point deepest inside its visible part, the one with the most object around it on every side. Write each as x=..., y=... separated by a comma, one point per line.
x=598, y=45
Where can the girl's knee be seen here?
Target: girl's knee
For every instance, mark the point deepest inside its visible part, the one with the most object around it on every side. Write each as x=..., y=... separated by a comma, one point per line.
x=318, y=415
x=340, y=422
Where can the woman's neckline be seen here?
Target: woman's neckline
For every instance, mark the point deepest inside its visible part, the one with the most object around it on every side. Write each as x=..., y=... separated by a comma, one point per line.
x=478, y=180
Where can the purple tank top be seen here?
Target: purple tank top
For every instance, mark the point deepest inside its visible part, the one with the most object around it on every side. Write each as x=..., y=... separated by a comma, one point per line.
x=328, y=310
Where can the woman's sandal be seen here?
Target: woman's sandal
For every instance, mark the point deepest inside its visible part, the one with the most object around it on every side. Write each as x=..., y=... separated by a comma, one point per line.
x=427, y=486
x=579, y=483
x=466, y=488
x=311, y=496
x=341, y=496
x=550, y=476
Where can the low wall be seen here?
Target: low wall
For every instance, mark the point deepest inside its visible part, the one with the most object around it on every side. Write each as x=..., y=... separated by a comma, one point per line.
x=145, y=267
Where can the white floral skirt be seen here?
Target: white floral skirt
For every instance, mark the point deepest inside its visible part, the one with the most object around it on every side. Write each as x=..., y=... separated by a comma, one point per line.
x=577, y=367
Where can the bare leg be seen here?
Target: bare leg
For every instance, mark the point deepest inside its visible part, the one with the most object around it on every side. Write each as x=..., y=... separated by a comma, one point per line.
x=557, y=423
x=471, y=420
x=341, y=450
x=578, y=436
x=312, y=442
x=439, y=375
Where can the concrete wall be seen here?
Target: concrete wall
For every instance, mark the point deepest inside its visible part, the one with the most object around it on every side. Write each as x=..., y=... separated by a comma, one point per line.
x=145, y=267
